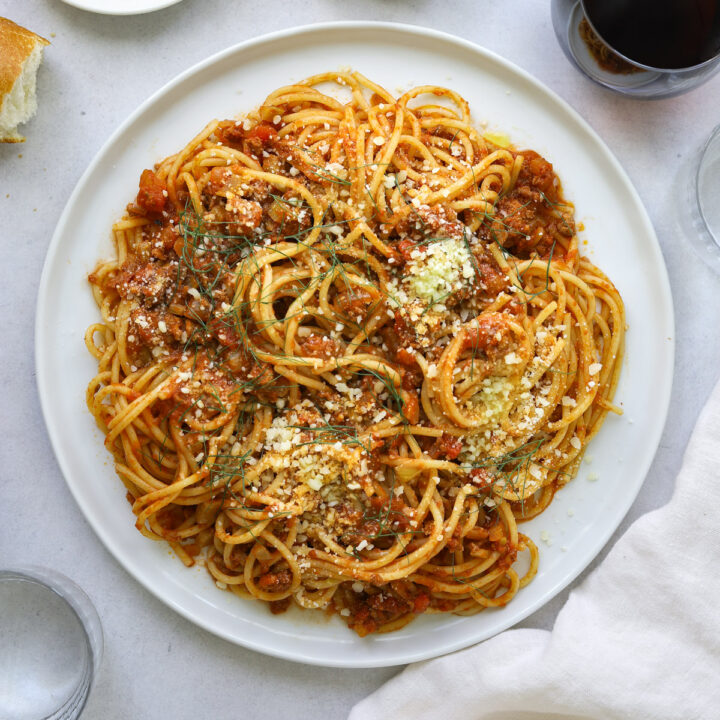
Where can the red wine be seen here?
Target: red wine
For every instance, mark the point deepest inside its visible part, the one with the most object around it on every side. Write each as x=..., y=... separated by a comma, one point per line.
x=669, y=34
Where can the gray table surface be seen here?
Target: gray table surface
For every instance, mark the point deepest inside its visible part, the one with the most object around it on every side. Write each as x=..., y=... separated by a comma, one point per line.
x=98, y=69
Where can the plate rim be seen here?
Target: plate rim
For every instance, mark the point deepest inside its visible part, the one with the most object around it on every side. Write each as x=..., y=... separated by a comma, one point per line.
x=83, y=5
x=666, y=311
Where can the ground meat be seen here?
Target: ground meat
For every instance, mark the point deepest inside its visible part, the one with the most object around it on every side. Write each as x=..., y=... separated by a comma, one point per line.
x=520, y=228
x=526, y=220
x=377, y=524
x=446, y=446
x=490, y=336
x=275, y=582
x=393, y=511
x=538, y=173
x=243, y=216
x=163, y=242
x=229, y=178
x=260, y=137
x=399, y=336
x=435, y=221
x=232, y=216
x=348, y=522
x=152, y=281
x=366, y=529
x=412, y=376
x=230, y=134
x=285, y=217
x=440, y=221
x=287, y=148
x=320, y=346
x=223, y=330
x=262, y=376
x=273, y=164
x=357, y=413
x=489, y=280
x=154, y=327
x=213, y=385
x=481, y=477
x=250, y=140
x=354, y=302
x=368, y=612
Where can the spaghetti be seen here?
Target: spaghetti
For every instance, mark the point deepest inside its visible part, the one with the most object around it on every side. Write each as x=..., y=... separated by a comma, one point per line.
x=346, y=346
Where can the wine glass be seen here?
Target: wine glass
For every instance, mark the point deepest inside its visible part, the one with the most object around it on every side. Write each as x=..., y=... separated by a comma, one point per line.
x=578, y=24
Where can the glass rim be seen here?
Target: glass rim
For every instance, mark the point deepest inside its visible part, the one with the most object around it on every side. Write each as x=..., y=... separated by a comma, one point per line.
x=83, y=609
x=713, y=137
x=73, y=596
x=635, y=63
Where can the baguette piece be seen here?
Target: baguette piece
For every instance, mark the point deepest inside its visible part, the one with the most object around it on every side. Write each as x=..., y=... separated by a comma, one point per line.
x=20, y=58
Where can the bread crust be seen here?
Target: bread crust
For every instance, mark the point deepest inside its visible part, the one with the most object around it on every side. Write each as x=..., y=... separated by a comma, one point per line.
x=16, y=44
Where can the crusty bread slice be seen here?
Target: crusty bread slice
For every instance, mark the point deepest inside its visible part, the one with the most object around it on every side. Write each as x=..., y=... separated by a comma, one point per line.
x=20, y=58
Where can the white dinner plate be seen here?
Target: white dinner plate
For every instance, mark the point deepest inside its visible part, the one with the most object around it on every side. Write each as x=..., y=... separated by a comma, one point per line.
x=121, y=7
x=620, y=239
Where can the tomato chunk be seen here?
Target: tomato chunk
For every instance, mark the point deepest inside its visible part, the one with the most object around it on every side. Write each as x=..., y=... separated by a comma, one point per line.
x=263, y=132
x=421, y=603
x=152, y=194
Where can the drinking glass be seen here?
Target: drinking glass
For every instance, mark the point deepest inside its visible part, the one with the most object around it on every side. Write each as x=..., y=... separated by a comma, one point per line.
x=704, y=202
x=50, y=645
x=586, y=49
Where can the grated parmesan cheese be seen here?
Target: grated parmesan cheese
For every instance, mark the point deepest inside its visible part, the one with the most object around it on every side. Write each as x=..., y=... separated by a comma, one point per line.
x=439, y=271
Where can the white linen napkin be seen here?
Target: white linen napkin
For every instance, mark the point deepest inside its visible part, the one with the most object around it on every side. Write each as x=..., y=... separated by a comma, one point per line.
x=639, y=638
